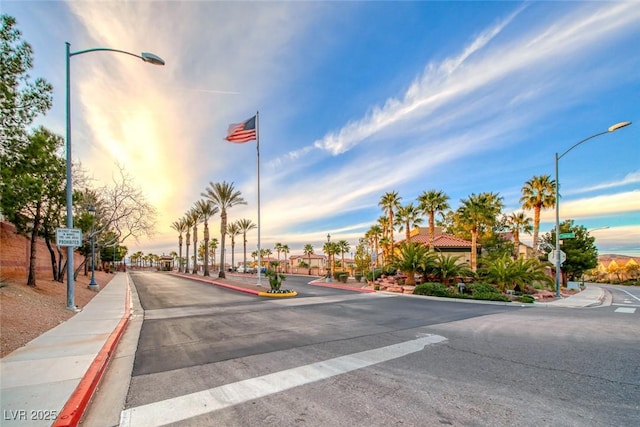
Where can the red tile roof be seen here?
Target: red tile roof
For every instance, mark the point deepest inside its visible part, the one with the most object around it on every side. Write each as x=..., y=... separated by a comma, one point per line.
x=441, y=240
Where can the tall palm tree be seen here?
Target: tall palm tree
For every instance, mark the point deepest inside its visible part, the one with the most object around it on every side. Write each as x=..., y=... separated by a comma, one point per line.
x=343, y=247
x=308, y=251
x=432, y=202
x=331, y=248
x=408, y=217
x=285, y=251
x=188, y=223
x=224, y=196
x=477, y=213
x=538, y=193
x=195, y=217
x=375, y=233
x=278, y=248
x=245, y=225
x=213, y=245
x=233, y=230
x=206, y=209
x=390, y=201
x=180, y=227
x=518, y=222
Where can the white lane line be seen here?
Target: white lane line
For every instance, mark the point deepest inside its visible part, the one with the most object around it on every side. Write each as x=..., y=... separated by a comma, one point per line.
x=625, y=310
x=206, y=401
x=630, y=294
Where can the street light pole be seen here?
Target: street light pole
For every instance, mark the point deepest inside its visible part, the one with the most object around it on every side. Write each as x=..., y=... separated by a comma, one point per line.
x=146, y=57
x=92, y=284
x=612, y=128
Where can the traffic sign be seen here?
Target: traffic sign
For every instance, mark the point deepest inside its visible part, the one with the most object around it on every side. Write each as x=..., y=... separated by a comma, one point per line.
x=567, y=235
x=68, y=237
x=553, y=256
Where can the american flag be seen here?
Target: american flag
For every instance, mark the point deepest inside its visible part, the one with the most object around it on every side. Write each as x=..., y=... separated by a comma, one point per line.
x=242, y=132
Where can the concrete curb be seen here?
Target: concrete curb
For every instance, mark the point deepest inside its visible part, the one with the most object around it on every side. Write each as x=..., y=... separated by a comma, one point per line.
x=213, y=282
x=74, y=409
x=338, y=286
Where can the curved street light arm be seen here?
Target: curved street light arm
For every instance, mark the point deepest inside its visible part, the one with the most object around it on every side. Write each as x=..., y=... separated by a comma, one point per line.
x=145, y=56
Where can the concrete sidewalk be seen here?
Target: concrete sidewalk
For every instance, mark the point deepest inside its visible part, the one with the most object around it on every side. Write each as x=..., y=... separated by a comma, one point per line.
x=50, y=380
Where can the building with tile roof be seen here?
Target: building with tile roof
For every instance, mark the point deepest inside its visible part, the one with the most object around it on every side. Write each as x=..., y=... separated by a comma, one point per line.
x=446, y=244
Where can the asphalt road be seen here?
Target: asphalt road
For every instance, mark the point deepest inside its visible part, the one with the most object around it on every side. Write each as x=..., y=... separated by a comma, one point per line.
x=207, y=356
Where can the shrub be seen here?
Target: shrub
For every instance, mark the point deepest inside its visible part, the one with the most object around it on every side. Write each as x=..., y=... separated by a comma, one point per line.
x=433, y=289
x=486, y=291
x=526, y=299
x=358, y=277
x=342, y=277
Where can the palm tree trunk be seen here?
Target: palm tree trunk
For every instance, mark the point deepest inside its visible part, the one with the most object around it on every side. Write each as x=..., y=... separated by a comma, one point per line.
x=432, y=229
x=536, y=227
x=474, y=253
x=223, y=229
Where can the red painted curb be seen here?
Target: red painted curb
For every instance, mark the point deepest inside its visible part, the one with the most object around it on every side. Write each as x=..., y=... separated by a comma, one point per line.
x=74, y=409
x=213, y=282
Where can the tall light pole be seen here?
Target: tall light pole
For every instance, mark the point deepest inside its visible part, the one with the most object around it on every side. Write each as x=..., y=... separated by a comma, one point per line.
x=146, y=57
x=612, y=128
x=92, y=284
x=329, y=254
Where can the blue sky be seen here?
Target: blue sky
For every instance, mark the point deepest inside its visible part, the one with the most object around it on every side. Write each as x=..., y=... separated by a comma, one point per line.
x=356, y=99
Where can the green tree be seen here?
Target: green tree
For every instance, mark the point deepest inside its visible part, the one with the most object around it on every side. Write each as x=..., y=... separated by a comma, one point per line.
x=411, y=258
x=408, y=216
x=582, y=254
x=278, y=248
x=195, y=217
x=478, y=213
x=518, y=222
x=432, y=202
x=213, y=245
x=245, y=225
x=308, y=251
x=331, y=249
x=508, y=273
x=181, y=227
x=32, y=181
x=538, y=193
x=224, y=196
x=389, y=202
x=233, y=230
x=21, y=99
x=206, y=210
x=447, y=267
x=343, y=247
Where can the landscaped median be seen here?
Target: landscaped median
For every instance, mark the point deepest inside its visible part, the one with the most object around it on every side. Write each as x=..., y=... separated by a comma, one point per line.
x=284, y=294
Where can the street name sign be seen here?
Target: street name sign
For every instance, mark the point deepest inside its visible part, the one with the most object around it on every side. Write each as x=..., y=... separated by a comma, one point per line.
x=68, y=237
x=553, y=256
x=567, y=235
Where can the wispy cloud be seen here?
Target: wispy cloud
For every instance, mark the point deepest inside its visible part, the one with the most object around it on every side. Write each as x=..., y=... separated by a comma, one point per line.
x=629, y=179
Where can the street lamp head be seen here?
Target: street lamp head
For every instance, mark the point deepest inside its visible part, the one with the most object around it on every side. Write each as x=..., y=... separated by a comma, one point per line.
x=328, y=237
x=617, y=126
x=92, y=210
x=151, y=58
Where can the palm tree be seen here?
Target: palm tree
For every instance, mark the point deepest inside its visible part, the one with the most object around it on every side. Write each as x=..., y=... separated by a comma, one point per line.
x=447, y=267
x=390, y=201
x=245, y=225
x=330, y=248
x=308, y=251
x=518, y=222
x=213, y=245
x=195, y=218
x=538, y=193
x=224, y=196
x=233, y=230
x=278, y=248
x=188, y=221
x=408, y=217
x=173, y=255
x=374, y=234
x=410, y=258
x=432, y=202
x=206, y=210
x=343, y=247
x=285, y=251
x=180, y=226
x=477, y=213
x=508, y=273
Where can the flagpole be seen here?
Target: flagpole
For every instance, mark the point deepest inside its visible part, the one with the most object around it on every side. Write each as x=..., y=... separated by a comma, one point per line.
x=258, y=162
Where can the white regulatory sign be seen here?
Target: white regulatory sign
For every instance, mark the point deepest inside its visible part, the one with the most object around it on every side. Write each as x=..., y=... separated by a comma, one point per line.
x=68, y=237
x=553, y=256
